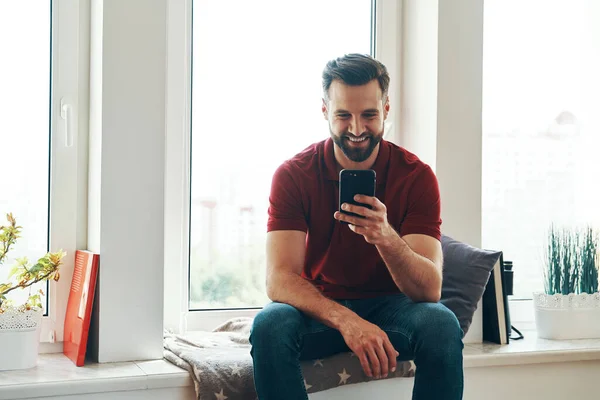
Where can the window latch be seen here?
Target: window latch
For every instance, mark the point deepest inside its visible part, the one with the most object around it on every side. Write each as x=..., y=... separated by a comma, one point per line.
x=66, y=113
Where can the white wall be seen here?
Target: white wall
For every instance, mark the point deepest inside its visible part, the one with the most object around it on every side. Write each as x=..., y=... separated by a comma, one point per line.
x=459, y=135
x=556, y=381
x=177, y=174
x=441, y=109
x=419, y=78
x=441, y=103
x=127, y=225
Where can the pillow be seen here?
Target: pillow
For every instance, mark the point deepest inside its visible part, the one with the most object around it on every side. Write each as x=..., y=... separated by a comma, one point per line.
x=466, y=272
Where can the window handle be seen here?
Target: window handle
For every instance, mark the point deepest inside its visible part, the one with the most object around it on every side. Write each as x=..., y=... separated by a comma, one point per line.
x=66, y=113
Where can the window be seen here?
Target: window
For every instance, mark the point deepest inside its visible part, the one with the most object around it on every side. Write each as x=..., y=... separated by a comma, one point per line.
x=25, y=128
x=541, y=128
x=256, y=100
x=44, y=95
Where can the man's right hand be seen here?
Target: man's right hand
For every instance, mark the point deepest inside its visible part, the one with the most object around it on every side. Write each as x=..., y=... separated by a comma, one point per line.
x=371, y=345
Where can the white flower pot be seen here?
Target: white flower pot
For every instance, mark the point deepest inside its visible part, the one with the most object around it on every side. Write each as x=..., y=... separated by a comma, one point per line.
x=572, y=316
x=19, y=339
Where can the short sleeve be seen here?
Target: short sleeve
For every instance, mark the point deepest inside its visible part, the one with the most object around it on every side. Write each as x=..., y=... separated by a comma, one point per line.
x=285, y=203
x=423, y=214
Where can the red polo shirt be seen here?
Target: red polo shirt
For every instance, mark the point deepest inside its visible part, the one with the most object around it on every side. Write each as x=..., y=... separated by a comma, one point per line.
x=304, y=196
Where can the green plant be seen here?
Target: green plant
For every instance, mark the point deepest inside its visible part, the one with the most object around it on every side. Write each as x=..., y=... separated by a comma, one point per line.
x=571, y=262
x=23, y=275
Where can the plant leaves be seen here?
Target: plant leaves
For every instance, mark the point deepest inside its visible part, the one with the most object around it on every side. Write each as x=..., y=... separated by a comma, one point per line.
x=13, y=271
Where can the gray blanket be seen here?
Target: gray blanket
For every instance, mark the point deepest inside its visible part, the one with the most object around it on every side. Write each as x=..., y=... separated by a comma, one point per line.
x=221, y=365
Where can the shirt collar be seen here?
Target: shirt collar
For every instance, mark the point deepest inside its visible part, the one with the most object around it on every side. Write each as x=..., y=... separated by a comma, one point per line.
x=380, y=165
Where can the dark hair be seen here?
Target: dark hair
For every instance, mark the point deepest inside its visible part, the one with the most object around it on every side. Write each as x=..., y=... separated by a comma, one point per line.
x=355, y=70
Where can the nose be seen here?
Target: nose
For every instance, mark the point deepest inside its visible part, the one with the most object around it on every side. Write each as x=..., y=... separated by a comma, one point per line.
x=356, y=127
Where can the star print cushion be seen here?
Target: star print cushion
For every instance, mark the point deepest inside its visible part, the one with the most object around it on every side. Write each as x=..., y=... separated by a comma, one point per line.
x=221, y=366
x=343, y=369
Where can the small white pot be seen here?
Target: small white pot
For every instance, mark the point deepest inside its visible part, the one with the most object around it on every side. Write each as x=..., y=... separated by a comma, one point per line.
x=572, y=316
x=19, y=339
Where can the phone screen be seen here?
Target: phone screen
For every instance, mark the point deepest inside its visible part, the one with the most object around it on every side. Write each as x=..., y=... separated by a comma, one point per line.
x=353, y=182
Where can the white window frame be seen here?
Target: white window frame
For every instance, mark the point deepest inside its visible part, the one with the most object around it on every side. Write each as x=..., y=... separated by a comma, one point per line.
x=68, y=168
x=177, y=317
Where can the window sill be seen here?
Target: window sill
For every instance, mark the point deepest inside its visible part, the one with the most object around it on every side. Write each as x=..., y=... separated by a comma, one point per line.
x=56, y=375
x=530, y=350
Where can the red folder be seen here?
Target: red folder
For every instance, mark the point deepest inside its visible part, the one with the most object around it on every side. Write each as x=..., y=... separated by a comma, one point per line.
x=79, y=307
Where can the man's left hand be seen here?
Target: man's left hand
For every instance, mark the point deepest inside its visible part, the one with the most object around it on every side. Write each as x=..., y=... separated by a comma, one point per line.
x=374, y=226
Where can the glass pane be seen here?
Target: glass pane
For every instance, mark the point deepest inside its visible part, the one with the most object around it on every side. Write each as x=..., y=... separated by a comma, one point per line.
x=24, y=127
x=256, y=98
x=541, y=127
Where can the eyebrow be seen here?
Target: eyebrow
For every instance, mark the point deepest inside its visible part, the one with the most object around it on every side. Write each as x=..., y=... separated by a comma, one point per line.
x=368, y=111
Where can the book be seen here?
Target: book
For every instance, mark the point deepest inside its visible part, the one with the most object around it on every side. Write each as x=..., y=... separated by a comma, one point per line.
x=496, y=321
x=79, y=306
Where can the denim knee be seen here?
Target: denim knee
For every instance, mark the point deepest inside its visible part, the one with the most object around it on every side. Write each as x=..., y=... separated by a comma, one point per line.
x=275, y=325
x=440, y=335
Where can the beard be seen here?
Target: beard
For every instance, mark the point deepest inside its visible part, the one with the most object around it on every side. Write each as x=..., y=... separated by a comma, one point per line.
x=357, y=154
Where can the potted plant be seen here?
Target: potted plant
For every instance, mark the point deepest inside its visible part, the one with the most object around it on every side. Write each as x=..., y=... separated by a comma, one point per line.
x=570, y=306
x=20, y=323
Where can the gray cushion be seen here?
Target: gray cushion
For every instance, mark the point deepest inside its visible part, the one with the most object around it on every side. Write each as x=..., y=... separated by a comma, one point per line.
x=466, y=272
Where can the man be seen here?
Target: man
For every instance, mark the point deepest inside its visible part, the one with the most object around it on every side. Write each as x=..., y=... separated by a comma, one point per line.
x=371, y=287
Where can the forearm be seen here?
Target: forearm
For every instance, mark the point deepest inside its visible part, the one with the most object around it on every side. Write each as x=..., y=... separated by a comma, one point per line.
x=416, y=276
x=292, y=289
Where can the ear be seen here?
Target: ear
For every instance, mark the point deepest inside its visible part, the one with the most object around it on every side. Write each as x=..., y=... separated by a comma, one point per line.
x=324, y=110
x=386, y=107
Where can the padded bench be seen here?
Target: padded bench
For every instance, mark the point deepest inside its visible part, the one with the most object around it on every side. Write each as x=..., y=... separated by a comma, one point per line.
x=220, y=361
x=221, y=365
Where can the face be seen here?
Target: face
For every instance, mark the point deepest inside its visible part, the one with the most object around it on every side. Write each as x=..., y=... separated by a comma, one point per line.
x=356, y=115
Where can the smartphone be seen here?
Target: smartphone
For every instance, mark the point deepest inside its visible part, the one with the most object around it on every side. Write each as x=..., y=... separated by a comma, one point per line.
x=353, y=182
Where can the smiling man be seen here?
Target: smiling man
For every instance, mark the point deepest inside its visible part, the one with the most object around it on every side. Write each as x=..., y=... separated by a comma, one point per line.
x=371, y=286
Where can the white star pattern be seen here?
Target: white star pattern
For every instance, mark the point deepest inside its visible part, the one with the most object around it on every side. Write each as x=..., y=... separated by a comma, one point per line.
x=235, y=370
x=344, y=377
x=318, y=362
x=220, y=396
x=306, y=385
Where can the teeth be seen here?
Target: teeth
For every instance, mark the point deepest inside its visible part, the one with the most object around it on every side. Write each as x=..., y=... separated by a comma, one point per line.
x=357, y=140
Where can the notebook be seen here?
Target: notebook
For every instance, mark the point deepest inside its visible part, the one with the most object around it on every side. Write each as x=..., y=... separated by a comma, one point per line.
x=79, y=306
x=496, y=325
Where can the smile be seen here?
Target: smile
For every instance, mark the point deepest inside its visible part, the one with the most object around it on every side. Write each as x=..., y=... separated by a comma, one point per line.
x=357, y=140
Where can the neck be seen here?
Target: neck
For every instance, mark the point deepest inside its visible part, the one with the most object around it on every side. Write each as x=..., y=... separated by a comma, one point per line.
x=345, y=163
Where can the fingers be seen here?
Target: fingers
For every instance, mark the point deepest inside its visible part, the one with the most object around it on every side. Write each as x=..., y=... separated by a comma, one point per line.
x=360, y=210
x=392, y=355
x=370, y=200
x=364, y=362
x=358, y=221
x=383, y=361
x=374, y=360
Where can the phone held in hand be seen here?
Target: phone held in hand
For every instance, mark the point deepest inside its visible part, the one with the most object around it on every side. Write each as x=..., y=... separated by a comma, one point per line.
x=353, y=182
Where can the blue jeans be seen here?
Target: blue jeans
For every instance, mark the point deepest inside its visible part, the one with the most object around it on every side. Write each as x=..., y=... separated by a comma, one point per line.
x=427, y=333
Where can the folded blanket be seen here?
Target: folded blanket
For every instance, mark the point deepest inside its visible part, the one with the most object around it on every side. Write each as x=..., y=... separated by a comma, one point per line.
x=221, y=365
